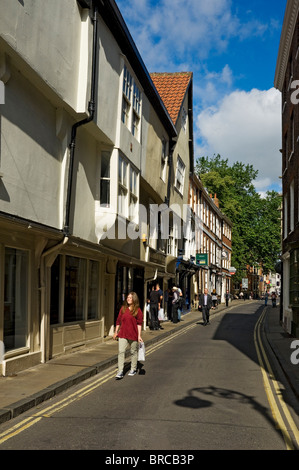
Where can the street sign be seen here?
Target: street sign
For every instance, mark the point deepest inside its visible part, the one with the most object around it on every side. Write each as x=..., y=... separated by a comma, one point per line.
x=202, y=259
x=232, y=270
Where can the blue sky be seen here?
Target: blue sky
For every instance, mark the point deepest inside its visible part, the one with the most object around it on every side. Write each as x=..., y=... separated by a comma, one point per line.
x=231, y=47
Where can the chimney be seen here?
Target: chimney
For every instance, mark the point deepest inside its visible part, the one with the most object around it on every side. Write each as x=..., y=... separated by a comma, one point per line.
x=215, y=199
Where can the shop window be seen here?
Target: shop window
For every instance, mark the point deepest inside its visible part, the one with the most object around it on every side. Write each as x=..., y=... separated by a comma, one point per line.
x=75, y=271
x=15, y=299
x=74, y=290
x=294, y=278
x=93, y=289
x=55, y=289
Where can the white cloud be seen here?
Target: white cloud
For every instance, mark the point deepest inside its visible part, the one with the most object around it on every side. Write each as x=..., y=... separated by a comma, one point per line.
x=172, y=34
x=245, y=127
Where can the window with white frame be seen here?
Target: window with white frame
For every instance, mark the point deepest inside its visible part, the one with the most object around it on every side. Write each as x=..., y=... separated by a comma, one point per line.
x=285, y=216
x=105, y=179
x=131, y=103
x=172, y=241
x=136, y=110
x=128, y=184
x=184, y=119
x=127, y=94
x=163, y=159
x=292, y=211
x=292, y=136
x=180, y=175
x=122, y=186
x=133, y=210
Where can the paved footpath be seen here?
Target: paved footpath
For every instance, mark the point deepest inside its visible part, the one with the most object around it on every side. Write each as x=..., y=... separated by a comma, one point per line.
x=29, y=388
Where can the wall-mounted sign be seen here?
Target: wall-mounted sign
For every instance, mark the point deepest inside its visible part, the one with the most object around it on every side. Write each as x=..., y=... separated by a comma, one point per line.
x=202, y=259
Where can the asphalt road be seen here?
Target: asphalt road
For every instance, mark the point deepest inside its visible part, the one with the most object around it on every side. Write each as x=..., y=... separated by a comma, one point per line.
x=201, y=389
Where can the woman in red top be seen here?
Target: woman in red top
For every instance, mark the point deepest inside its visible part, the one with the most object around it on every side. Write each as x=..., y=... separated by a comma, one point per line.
x=128, y=332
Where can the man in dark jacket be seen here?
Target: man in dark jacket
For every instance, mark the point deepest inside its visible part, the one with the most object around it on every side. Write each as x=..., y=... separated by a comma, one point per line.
x=205, y=304
x=154, y=299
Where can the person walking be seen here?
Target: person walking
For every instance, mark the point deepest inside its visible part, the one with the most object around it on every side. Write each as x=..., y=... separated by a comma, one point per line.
x=175, y=304
x=214, y=299
x=273, y=298
x=205, y=304
x=128, y=332
x=180, y=303
x=160, y=292
x=266, y=298
x=227, y=298
x=154, y=299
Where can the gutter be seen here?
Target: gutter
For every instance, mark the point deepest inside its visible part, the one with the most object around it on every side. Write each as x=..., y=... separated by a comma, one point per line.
x=91, y=111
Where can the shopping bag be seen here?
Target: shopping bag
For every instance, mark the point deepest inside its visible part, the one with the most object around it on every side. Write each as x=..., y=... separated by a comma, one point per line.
x=161, y=314
x=141, y=352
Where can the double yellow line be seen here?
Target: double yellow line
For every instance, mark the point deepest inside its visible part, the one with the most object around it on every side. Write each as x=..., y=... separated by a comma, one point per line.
x=279, y=409
x=50, y=410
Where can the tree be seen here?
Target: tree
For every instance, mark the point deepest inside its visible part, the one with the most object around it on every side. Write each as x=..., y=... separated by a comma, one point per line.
x=256, y=220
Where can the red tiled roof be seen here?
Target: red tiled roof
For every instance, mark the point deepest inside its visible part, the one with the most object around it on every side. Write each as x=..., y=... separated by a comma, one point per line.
x=172, y=88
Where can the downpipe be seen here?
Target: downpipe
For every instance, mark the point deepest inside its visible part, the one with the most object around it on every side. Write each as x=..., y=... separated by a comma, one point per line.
x=91, y=112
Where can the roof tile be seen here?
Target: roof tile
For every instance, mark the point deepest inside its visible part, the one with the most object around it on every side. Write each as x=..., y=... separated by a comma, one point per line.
x=172, y=88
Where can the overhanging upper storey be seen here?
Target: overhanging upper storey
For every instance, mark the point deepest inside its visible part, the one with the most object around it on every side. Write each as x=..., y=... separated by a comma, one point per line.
x=115, y=22
x=287, y=34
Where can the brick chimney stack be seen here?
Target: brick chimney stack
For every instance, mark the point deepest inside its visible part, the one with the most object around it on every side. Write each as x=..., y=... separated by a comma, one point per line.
x=216, y=201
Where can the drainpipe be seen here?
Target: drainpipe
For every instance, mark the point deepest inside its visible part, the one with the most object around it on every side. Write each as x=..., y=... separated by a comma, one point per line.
x=91, y=111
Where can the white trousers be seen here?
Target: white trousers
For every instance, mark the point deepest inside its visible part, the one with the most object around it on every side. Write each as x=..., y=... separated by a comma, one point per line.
x=123, y=343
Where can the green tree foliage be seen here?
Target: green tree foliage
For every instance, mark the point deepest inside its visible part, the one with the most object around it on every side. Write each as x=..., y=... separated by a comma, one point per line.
x=256, y=219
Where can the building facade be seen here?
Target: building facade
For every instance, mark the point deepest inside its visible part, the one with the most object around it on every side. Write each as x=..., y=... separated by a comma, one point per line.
x=286, y=81
x=82, y=128
x=212, y=247
x=94, y=178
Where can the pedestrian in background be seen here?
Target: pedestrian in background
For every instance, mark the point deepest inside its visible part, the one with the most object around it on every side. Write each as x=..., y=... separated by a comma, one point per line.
x=128, y=332
x=160, y=292
x=205, y=304
x=180, y=303
x=214, y=299
x=169, y=304
x=227, y=298
x=273, y=297
x=266, y=298
x=154, y=299
x=175, y=304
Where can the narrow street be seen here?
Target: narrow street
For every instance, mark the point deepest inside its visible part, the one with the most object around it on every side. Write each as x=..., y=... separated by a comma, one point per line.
x=201, y=389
